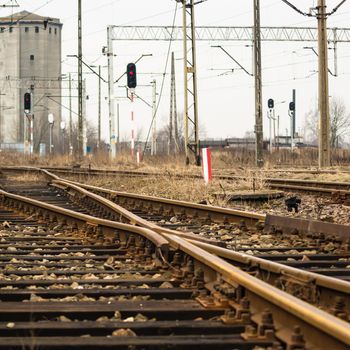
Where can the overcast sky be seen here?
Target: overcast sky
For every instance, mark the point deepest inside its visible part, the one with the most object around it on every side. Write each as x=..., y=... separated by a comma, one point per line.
x=226, y=101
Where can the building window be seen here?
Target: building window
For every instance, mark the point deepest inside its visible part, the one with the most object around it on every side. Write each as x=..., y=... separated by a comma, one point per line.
x=11, y=29
x=32, y=57
x=50, y=30
x=36, y=29
x=55, y=30
x=26, y=29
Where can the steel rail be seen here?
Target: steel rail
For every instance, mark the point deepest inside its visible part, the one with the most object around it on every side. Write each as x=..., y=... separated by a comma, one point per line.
x=248, y=260
x=217, y=213
x=233, y=215
x=275, y=182
x=338, y=332
x=314, y=317
x=154, y=237
x=122, y=212
x=280, y=269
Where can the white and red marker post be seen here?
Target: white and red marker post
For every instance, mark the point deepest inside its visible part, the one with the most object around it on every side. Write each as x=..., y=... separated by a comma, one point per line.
x=206, y=165
x=132, y=124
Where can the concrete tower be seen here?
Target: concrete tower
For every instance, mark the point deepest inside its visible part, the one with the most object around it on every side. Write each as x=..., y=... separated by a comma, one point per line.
x=30, y=61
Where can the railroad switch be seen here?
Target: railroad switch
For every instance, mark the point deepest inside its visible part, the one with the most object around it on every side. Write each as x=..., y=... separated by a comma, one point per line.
x=293, y=203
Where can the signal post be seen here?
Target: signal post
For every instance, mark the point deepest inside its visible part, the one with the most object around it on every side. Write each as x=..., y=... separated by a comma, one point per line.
x=28, y=123
x=131, y=83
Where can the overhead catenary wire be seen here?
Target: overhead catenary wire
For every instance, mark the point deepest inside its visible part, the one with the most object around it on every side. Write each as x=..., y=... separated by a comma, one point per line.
x=310, y=14
x=163, y=80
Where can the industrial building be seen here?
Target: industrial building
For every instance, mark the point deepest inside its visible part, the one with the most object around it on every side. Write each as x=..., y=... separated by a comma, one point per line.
x=30, y=61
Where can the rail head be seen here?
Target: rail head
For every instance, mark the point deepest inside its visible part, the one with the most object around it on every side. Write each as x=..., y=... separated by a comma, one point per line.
x=224, y=211
x=121, y=212
x=159, y=241
x=334, y=327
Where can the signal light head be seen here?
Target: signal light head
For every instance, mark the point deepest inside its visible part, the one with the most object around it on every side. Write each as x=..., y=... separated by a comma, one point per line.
x=27, y=101
x=270, y=103
x=131, y=75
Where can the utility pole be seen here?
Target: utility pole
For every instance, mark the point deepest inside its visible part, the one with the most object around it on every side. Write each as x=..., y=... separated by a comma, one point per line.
x=258, y=87
x=190, y=74
x=80, y=86
x=111, y=94
x=170, y=143
x=173, y=128
x=154, y=121
x=84, y=119
x=324, y=138
x=99, y=108
x=70, y=117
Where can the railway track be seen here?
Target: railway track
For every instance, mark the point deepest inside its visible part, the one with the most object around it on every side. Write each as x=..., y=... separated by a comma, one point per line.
x=74, y=281
x=328, y=188
x=328, y=256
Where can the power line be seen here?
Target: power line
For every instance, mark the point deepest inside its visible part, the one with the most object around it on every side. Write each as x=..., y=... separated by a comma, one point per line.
x=164, y=74
x=296, y=9
x=337, y=7
x=310, y=14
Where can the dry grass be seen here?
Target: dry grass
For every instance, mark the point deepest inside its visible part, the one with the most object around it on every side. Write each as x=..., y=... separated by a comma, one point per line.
x=170, y=186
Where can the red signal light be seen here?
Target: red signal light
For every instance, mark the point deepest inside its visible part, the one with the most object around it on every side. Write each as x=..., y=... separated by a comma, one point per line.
x=131, y=75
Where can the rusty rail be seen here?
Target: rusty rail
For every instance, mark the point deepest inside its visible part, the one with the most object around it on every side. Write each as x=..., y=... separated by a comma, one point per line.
x=331, y=332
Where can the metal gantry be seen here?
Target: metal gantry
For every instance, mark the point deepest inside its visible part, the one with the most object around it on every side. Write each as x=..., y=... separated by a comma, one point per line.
x=227, y=33
x=221, y=33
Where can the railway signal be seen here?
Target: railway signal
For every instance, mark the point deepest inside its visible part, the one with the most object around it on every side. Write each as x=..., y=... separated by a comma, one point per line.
x=131, y=75
x=271, y=117
x=291, y=113
x=270, y=103
x=27, y=102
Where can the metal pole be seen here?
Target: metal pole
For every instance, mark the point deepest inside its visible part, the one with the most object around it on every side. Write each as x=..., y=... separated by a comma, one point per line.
x=270, y=128
x=31, y=129
x=70, y=117
x=1, y=126
x=111, y=93
x=154, y=125
x=294, y=112
x=184, y=28
x=274, y=129
x=63, y=143
x=324, y=142
x=80, y=86
x=99, y=108
x=335, y=48
x=84, y=120
x=170, y=142
x=291, y=129
x=258, y=86
x=118, y=127
x=278, y=133
x=194, y=81
x=132, y=126
x=50, y=134
x=31, y=122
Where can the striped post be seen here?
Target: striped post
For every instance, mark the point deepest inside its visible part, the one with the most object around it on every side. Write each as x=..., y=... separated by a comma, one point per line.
x=206, y=165
x=132, y=126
